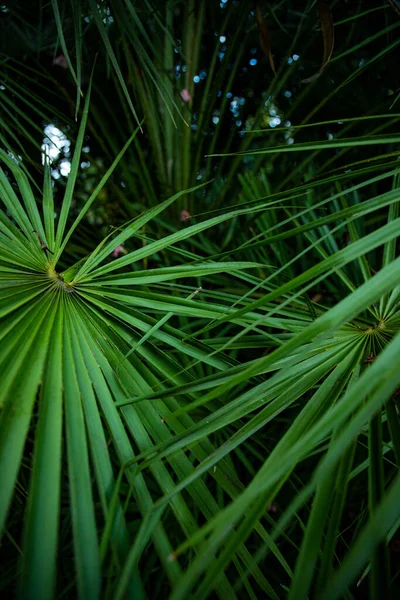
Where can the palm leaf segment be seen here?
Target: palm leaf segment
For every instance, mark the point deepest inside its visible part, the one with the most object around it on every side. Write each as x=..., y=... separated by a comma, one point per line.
x=64, y=370
x=66, y=373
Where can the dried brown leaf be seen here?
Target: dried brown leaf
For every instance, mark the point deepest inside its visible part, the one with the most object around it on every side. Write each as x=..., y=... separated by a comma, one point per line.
x=325, y=17
x=264, y=36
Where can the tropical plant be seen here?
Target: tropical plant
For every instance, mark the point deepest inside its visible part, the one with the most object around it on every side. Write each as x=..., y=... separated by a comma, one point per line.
x=201, y=402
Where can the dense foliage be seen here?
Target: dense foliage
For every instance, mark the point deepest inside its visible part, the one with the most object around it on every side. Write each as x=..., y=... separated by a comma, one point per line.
x=199, y=299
